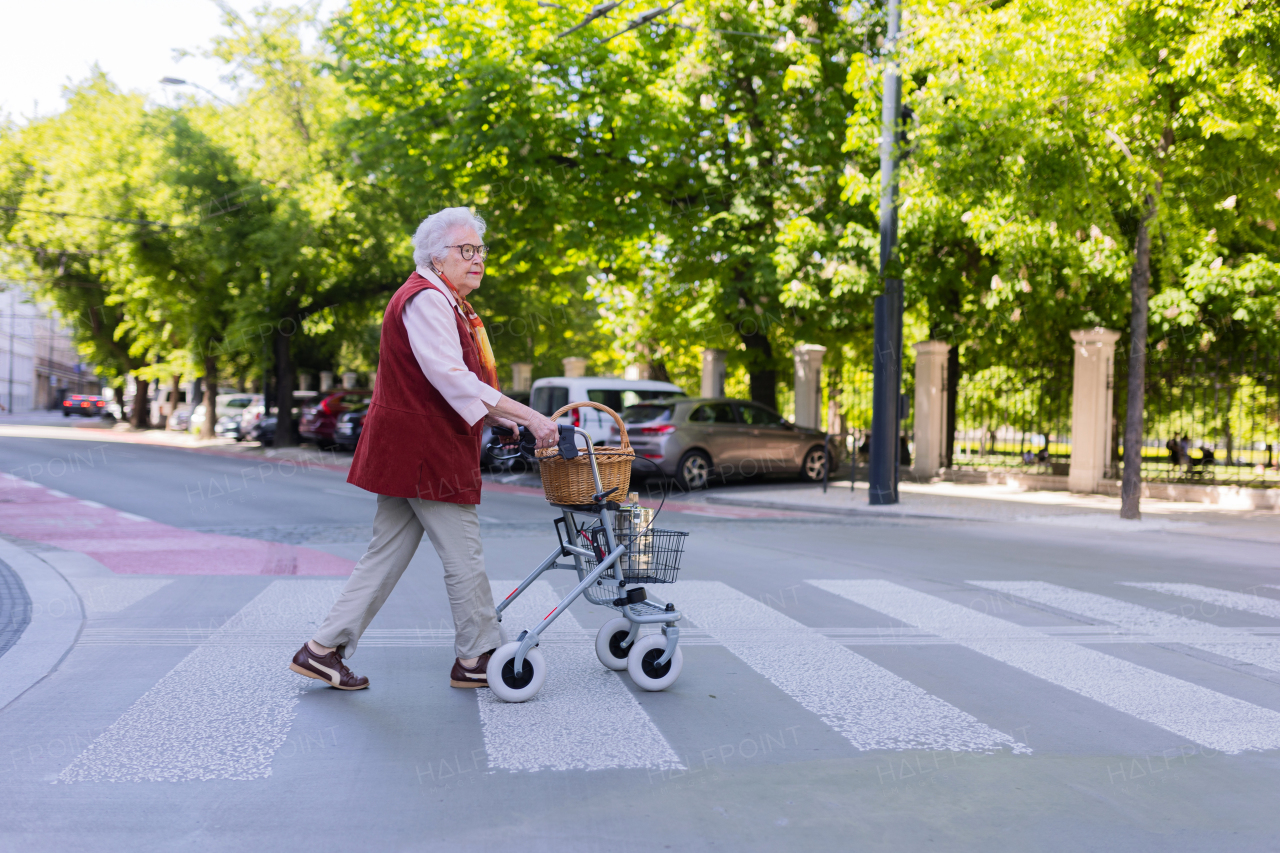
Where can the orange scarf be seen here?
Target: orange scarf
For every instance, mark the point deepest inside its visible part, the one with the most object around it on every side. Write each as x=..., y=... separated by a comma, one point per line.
x=480, y=337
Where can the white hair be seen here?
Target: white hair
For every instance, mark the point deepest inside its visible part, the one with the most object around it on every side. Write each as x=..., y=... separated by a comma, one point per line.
x=431, y=240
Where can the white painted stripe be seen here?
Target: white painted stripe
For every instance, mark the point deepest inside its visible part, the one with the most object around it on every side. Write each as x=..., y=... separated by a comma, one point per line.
x=1220, y=597
x=868, y=704
x=583, y=718
x=1194, y=712
x=1228, y=642
x=225, y=709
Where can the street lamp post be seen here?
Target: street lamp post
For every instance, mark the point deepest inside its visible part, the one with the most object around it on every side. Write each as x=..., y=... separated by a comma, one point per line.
x=887, y=364
x=178, y=81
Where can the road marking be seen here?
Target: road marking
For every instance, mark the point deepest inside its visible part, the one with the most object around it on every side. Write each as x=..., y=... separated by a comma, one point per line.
x=225, y=709
x=1228, y=642
x=583, y=718
x=1220, y=597
x=868, y=704
x=1194, y=712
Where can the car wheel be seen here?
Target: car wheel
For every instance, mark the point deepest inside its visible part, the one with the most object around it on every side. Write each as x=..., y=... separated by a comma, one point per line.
x=694, y=471
x=815, y=464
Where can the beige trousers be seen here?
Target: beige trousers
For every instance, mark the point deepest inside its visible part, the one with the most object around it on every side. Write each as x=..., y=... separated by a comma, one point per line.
x=398, y=525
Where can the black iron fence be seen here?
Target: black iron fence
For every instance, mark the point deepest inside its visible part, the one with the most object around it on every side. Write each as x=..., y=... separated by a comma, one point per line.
x=1014, y=418
x=1206, y=420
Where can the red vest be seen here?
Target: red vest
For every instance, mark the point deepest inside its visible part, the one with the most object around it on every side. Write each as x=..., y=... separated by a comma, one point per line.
x=414, y=445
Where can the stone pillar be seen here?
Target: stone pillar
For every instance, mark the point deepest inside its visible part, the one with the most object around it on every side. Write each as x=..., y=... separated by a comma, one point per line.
x=808, y=359
x=1091, y=400
x=521, y=376
x=574, y=365
x=304, y=381
x=349, y=380
x=326, y=381
x=713, y=370
x=636, y=371
x=931, y=409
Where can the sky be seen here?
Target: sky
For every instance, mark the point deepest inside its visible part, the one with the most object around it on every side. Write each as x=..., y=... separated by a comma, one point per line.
x=46, y=44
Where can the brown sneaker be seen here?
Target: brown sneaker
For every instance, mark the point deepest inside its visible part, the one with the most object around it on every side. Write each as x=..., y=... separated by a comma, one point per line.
x=328, y=668
x=474, y=676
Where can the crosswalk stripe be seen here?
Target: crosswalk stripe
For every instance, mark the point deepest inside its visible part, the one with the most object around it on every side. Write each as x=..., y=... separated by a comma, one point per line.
x=225, y=709
x=1197, y=713
x=583, y=718
x=866, y=703
x=1219, y=597
x=1228, y=642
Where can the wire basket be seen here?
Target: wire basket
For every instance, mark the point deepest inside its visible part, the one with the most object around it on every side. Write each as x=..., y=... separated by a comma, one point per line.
x=652, y=556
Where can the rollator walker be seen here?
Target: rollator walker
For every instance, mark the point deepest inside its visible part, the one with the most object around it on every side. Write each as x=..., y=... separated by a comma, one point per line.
x=615, y=550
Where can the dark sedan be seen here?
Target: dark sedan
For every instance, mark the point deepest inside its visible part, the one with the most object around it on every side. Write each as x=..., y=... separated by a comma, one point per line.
x=320, y=422
x=346, y=435
x=84, y=405
x=696, y=440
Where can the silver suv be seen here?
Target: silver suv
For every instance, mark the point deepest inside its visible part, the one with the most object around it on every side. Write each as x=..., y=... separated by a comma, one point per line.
x=692, y=440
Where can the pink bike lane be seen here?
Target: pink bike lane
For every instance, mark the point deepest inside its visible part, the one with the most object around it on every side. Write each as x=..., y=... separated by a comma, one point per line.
x=130, y=545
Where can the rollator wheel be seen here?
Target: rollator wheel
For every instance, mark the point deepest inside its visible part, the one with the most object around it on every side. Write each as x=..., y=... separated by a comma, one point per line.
x=642, y=663
x=609, y=644
x=503, y=680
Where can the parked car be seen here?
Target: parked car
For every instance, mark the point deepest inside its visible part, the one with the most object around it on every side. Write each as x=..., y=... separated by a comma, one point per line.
x=346, y=434
x=319, y=422
x=84, y=405
x=265, y=430
x=180, y=420
x=487, y=462
x=230, y=408
x=251, y=419
x=552, y=393
x=692, y=440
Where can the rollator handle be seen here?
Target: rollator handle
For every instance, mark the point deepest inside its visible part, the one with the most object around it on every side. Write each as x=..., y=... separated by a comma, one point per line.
x=505, y=437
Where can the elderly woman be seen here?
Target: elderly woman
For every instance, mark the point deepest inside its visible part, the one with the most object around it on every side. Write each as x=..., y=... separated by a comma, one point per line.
x=420, y=453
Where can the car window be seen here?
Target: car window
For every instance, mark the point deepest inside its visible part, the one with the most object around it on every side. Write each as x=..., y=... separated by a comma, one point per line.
x=759, y=416
x=713, y=413
x=549, y=398
x=607, y=397
x=646, y=414
x=238, y=403
x=350, y=400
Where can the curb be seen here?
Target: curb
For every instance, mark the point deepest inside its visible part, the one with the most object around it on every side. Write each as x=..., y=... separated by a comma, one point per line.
x=57, y=617
x=847, y=513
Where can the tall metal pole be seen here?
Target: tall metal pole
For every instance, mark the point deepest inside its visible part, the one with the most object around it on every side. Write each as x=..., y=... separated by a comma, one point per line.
x=887, y=364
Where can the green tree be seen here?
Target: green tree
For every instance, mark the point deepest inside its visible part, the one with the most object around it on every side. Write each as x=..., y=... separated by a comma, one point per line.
x=1107, y=124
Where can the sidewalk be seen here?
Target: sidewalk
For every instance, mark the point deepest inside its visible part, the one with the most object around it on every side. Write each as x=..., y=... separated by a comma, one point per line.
x=1006, y=504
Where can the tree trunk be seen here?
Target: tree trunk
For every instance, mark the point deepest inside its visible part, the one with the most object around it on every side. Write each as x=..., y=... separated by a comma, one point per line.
x=175, y=391
x=210, y=397
x=1140, y=284
x=140, y=416
x=284, y=391
x=762, y=376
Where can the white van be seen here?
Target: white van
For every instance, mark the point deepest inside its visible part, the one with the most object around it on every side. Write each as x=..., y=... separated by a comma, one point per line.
x=554, y=392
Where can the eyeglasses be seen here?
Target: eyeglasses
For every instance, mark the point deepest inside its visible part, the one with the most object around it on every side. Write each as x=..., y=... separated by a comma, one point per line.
x=469, y=250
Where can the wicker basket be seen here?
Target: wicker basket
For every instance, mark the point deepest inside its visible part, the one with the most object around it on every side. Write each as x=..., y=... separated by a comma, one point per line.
x=569, y=481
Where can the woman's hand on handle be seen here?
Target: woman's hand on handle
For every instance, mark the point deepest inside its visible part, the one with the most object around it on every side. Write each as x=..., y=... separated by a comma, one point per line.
x=543, y=428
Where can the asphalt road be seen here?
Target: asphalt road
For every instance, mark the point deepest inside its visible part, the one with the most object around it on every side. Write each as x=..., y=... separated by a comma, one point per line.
x=848, y=684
